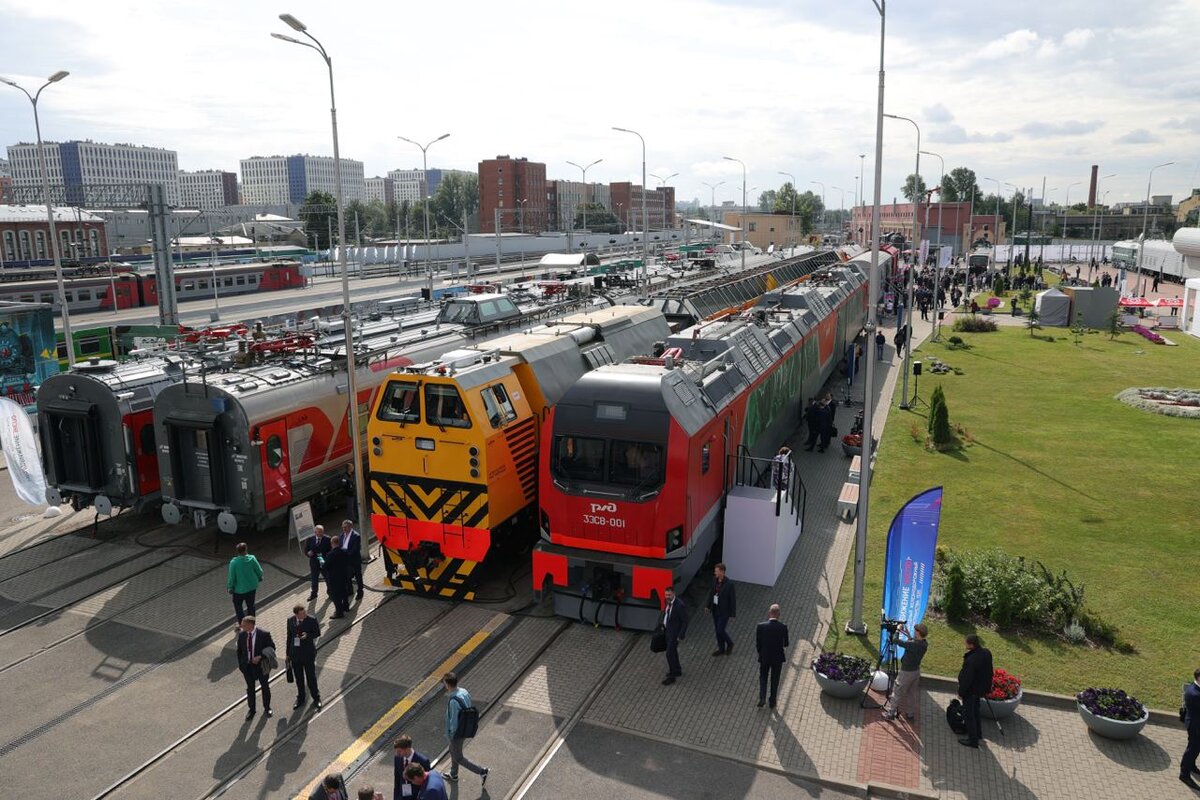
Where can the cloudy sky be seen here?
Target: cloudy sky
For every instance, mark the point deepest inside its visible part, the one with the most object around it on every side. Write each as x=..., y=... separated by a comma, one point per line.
x=1015, y=90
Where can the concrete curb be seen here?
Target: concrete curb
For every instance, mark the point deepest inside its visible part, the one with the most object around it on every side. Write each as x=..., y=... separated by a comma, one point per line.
x=1061, y=702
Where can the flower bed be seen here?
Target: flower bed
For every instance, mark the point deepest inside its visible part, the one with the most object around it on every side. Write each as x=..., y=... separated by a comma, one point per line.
x=993, y=302
x=1145, y=332
x=1005, y=686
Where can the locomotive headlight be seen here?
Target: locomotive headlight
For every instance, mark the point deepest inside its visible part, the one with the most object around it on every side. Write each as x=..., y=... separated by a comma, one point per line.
x=674, y=539
x=375, y=440
x=474, y=462
x=474, y=451
x=377, y=451
x=425, y=444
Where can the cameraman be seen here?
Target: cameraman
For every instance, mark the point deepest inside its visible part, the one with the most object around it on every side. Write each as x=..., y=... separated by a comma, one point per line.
x=904, y=694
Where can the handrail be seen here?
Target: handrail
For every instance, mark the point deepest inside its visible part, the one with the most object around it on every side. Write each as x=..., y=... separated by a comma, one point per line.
x=751, y=471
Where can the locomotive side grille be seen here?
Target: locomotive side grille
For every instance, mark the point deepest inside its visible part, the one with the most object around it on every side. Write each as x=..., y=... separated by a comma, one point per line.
x=522, y=444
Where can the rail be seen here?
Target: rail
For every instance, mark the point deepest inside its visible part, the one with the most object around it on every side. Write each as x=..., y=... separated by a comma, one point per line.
x=778, y=473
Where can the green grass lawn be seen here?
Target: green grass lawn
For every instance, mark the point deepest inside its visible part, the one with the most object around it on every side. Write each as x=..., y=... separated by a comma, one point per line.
x=1062, y=473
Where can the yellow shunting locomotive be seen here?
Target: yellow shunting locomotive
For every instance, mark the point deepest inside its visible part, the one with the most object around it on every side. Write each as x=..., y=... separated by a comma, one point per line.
x=452, y=470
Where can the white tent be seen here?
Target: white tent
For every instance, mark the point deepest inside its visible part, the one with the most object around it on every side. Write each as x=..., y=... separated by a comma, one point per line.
x=1190, y=315
x=569, y=260
x=1053, y=308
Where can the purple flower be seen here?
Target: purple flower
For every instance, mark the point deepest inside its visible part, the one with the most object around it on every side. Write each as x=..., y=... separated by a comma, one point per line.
x=1111, y=703
x=842, y=667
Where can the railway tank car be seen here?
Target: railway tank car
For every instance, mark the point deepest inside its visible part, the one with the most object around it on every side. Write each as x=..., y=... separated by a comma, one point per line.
x=453, y=458
x=96, y=424
x=633, y=467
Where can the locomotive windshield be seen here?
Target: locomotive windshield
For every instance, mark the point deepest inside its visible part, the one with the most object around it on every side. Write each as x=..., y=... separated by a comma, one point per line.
x=401, y=403
x=444, y=407
x=632, y=466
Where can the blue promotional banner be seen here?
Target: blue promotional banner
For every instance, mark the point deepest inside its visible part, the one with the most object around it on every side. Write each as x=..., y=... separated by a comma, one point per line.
x=908, y=571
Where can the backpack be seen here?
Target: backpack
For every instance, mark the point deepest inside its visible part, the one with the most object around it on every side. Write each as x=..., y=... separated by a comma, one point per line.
x=468, y=720
x=955, y=718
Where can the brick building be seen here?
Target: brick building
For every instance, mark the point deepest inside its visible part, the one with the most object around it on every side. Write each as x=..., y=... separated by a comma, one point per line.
x=950, y=224
x=516, y=188
x=625, y=200
x=25, y=234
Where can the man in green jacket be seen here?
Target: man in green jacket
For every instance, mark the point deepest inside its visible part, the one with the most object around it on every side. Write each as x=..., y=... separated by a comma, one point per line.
x=245, y=574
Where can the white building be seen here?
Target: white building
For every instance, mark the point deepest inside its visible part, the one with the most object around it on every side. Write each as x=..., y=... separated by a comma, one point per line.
x=79, y=171
x=289, y=179
x=380, y=190
x=4, y=173
x=207, y=189
x=407, y=184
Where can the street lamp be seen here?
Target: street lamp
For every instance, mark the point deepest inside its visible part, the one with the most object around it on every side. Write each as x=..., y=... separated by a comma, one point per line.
x=661, y=180
x=996, y=222
x=818, y=183
x=713, y=187
x=792, y=222
x=841, y=209
x=1095, y=217
x=351, y=379
x=425, y=196
x=645, y=223
x=1012, y=248
x=586, y=200
x=744, y=209
x=54, y=253
x=913, y=263
x=1145, y=219
x=1066, y=212
x=937, y=268
x=855, y=625
x=941, y=177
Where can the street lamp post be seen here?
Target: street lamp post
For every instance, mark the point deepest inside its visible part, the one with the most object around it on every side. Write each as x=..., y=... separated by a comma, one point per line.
x=425, y=196
x=818, y=183
x=54, y=244
x=645, y=222
x=1100, y=235
x=1095, y=220
x=1145, y=219
x=937, y=268
x=713, y=187
x=792, y=221
x=1066, y=212
x=744, y=208
x=583, y=170
x=856, y=625
x=841, y=210
x=351, y=379
x=1012, y=248
x=912, y=268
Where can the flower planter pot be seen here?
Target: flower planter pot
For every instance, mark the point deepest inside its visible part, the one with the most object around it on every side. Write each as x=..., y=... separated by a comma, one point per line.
x=1000, y=709
x=1113, y=728
x=850, y=450
x=840, y=689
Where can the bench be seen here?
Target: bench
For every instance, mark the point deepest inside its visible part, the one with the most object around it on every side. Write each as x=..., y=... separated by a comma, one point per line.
x=847, y=504
x=855, y=468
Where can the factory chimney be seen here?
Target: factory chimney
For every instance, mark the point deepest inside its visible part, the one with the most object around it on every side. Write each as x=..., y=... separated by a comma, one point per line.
x=1092, y=187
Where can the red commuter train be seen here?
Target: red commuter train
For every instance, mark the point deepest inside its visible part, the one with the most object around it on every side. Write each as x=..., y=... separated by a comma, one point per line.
x=634, y=458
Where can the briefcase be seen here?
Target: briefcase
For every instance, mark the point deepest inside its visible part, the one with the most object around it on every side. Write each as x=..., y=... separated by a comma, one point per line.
x=658, y=640
x=290, y=677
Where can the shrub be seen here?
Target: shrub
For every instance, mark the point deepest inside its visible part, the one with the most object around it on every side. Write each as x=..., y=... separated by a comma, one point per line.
x=1012, y=592
x=956, y=342
x=940, y=429
x=1111, y=703
x=974, y=325
x=842, y=667
x=938, y=398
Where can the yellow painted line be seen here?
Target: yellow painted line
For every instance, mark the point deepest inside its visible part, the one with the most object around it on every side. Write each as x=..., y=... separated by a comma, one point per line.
x=406, y=703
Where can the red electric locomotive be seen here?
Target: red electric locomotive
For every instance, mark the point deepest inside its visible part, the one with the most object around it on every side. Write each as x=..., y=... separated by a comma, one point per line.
x=633, y=464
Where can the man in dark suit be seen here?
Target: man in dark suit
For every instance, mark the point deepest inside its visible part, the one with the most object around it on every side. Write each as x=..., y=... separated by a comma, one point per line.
x=674, y=622
x=250, y=645
x=974, y=681
x=337, y=577
x=316, y=547
x=722, y=604
x=352, y=544
x=430, y=784
x=331, y=787
x=302, y=634
x=770, y=638
x=405, y=755
x=1191, y=718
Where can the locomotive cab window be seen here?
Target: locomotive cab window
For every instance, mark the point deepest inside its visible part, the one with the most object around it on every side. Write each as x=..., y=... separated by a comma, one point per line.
x=274, y=451
x=579, y=458
x=444, y=407
x=401, y=403
x=637, y=464
x=499, y=408
x=146, y=440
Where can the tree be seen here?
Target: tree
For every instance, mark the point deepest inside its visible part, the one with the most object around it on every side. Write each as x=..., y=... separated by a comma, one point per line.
x=1033, y=316
x=964, y=183
x=599, y=219
x=949, y=193
x=456, y=194
x=914, y=187
x=808, y=209
x=785, y=199
x=319, y=214
x=938, y=398
x=766, y=201
x=1113, y=324
x=942, y=435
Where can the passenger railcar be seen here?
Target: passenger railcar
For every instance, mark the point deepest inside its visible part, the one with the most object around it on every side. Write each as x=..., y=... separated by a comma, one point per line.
x=633, y=466
x=453, y=459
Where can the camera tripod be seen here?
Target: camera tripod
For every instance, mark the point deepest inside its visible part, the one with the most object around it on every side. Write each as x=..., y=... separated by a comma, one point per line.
x=889, y=662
